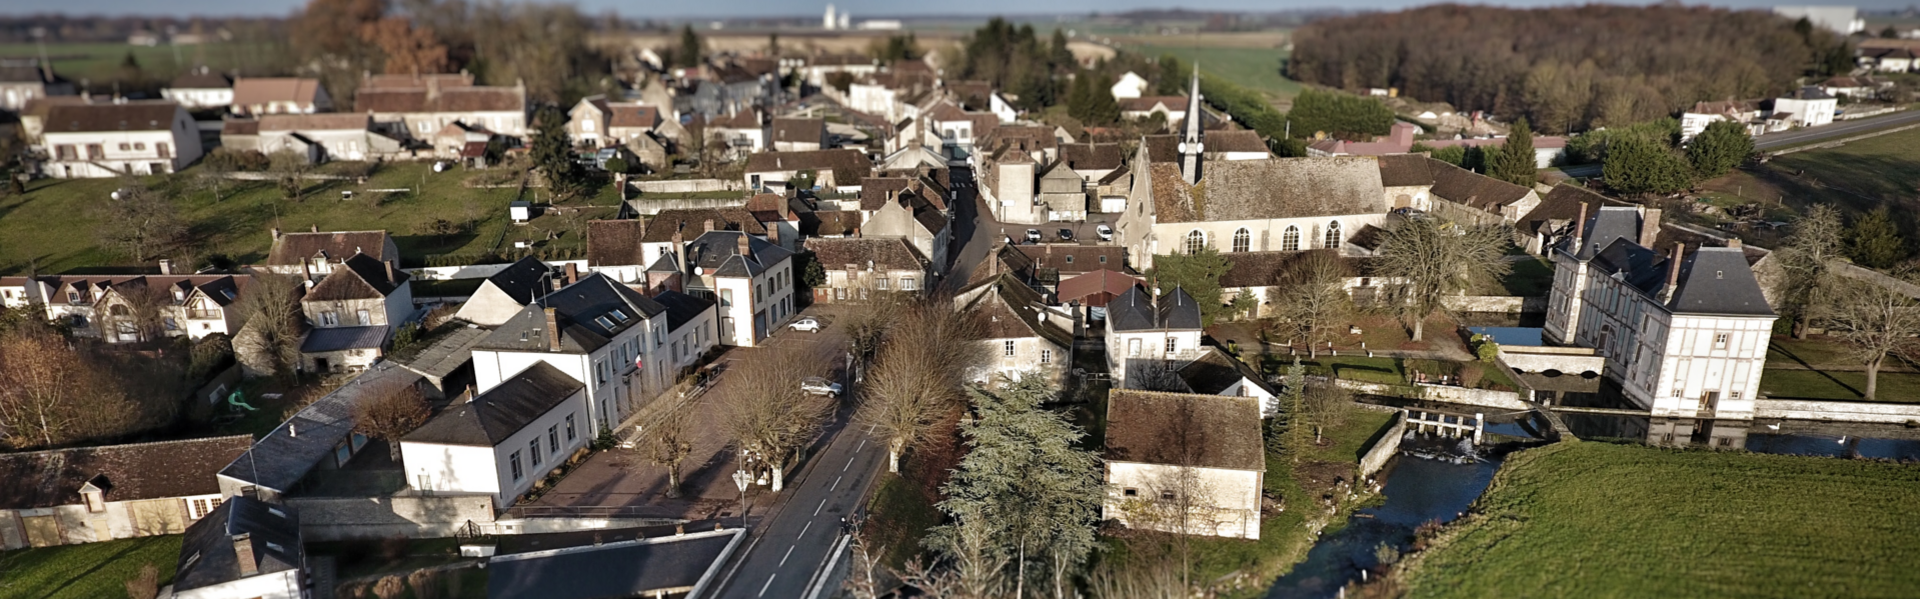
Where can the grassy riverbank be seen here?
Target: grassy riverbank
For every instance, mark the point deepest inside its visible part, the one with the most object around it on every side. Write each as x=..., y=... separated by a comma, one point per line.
x=1593, y=519
x=89, y=570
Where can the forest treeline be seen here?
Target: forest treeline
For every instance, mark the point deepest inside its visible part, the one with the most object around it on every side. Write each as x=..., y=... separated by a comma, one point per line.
x=1569, y=68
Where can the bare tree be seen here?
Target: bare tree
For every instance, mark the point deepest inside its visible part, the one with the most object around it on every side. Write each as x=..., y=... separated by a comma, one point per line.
x=389, y=411
x=140, y=222
x=1806, y=264
x=863, y=582
x=135, y=308
x=1875, y=322
x=269, y=340
x=1325, y=405
x=51, y=395
x=668, y=444
x=1424, y=260
x=768, y=416
x=1311, y=300
x=920, y=374
x=290, y=169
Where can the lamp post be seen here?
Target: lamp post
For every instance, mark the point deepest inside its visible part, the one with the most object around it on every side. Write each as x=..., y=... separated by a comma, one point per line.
x=740, y=480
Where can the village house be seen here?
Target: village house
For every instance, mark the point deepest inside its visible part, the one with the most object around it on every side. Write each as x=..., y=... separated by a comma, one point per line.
x=1888, y=55
x=1092, y=292
x=751, y=278
x=1145, y=332
x=1806, y=107
x=125, y=137
x=1130, y=85
x=315, y=254
x=505, y=293
x=857, y=269
x=691, y=325
x=23, y=80
x=502, y=441
x=324, y=137
x=1184, y=463
x=832, y=170
x=1695, y=120
x=1683, y=334
x=132, y=308
x=1024, y=336
x=742, y=133
x=597, y=122
x=92, y=494
x=597, y=331
x=419, y=107
x=798, y=135
x=353, y=312
x=1216, y=372
x=245, y=549
x=200, y=88
x=628, y=249
x=913, y=211
x=1172, y=109
x=255, y=96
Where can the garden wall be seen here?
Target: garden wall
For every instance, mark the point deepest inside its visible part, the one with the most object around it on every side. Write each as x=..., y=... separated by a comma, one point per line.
x=1505, y=400
x=1570, y=360
x=1499, y=304
x=688, y=186
x=413, y=516
x=1839, y=411
x=1383, y=450
x=650, y=207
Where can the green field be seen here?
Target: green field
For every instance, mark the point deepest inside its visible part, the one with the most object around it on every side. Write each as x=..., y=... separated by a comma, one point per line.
x=87, y=571
x=53, y=225
x=1894, y=387
x=100, y=62
x=1586, y=519
x=1257, y=69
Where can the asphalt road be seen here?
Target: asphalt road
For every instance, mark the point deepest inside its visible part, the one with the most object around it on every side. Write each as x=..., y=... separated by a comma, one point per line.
x=1786, y=139
x=790, y=545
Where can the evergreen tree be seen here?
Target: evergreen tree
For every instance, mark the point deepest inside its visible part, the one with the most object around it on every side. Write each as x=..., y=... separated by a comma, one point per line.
x=1199, y=274
x=1637, y=166
x=552, y=153
x=689, y=54
x=1077, y=97
x=1102, y=109
x=1874, y=242
x=1724, y=145
x=1295, y=434
x=1515, y=163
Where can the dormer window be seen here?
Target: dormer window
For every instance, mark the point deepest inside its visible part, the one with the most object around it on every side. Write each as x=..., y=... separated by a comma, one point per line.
x=618, y=315
x=179, y=296
x=604, y=322
x=95, y=494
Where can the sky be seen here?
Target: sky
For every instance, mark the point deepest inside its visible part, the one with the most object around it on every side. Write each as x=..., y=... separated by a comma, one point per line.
x=784, y=8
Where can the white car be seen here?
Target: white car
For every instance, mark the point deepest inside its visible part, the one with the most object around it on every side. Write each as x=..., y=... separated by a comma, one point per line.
x=1033, y=236
x=808, y=324
x=814, y=385
x=1105, y=232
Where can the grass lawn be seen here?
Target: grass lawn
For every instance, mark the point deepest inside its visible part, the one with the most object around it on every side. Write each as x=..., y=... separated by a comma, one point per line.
x=1585, y=519
x=899, y=517
x=1894, y=387
x=100, y=62
x=1529, y=278
x=1858, y=176
x=86, y=571
x=54, y=223
x=1257, y=69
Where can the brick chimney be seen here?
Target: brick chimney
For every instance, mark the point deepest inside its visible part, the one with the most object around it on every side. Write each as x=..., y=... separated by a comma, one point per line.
x=1580, y=228
x=276, y=232
x=1733, y=242
x=1649, y=227
x=573, y=273
x=553, y=330
x=1673, y=267
x=746, y=247
x=243, y=551
x=313, y=228
x=166, y=266
x=773, y=232
x=709, y=225
x=391, y=275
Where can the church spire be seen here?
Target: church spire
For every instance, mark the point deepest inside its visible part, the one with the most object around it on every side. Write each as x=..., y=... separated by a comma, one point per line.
x=1190, y=148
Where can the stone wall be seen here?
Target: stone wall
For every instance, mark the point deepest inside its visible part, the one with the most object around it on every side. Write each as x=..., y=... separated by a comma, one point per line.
x=414, y=516
x=1504, y=400
x=1838, y=411
x=1383, y=450
x=1569, y=360
x=688, y=186
x=1504, y=304
x=650, y=207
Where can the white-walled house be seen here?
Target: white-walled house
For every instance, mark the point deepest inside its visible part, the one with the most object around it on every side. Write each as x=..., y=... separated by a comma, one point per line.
x=419, y=107
x=1184, y=463
x=93, y=494
x=1684, y=334
x=751, y=278
x=353, y=312
x=1143, y=331
x=1806, y=107
x=860, y=268
x=1024, y=336
x=1130, y=85
x=503, y=440
x=597, y=331
x=144, y=137
x=255, y=96
x=200, y=88
x=104, y=306
x=507, y=292
x=245, y=549
x=1217, y=373
x=692, y=328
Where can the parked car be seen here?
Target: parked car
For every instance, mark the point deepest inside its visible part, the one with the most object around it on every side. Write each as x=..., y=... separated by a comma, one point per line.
x=808, y=324
x=818, y=386
x=1105, y=232
x=1033, y=236
x=1066, y=234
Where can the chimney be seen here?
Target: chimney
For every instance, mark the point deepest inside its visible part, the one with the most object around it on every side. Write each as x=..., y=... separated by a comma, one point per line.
x=391, y=277
x=709, y=225
x=746, y=250
x=276, y=232
x=1580, y=228
x=553, y=331
x=166, y=266
x=313, y=228
x=1733, y=242
x=243, y=551
x=1673, y=267
x=573, y=273
x=1649, y=227
x=773, y=233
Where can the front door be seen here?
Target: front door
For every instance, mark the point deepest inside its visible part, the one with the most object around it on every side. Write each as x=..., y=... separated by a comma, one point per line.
x=42, y=531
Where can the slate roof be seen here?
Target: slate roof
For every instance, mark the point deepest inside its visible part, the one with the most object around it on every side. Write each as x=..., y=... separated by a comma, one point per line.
x=1717, y=280
x=280, y=459
x=615, y=242
x=578, y=309
x=1092, y=157
x=293, y=248
x=885, y=254
x=328, y=339
x=718, y=253
x=152, y=115
x=1014, y=311
x=1563, y=204
x=799, y=130
x=249, y=91
x=1136, y=310
x=1404, y=170
x=131, y=472
x=1181, y=429
x=1215, y=371
x=682, y=308
x=448, y=352
x=1472, y=189
x=1606, y=224
x=1240, y=140
x=494, y=416
x=525, y=280
x=207, y=556
x=361, y=278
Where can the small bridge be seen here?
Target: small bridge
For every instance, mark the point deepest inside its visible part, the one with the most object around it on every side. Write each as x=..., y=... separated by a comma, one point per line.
x=1447, y=424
